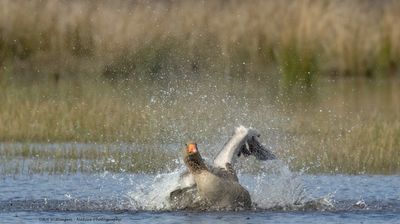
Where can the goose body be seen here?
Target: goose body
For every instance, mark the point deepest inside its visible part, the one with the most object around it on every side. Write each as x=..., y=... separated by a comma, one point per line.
x=221, y=193
x=217, y=186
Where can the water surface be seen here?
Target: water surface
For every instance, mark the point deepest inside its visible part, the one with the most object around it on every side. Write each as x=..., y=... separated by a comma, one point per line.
x=282, y=197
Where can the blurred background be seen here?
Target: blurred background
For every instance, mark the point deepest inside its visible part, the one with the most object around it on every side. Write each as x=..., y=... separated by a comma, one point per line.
x=318, y=79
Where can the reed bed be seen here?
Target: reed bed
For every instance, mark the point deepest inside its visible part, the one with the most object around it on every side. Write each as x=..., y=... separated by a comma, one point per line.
x=125, y=39
x=370, y=145
x=346, y=127
x=83, y=158
x=162, y=72
x=102, y=112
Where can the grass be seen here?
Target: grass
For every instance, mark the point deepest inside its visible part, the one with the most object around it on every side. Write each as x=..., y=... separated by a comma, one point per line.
x=371, y=146
x=347, y=127
x=130, y=39
x=298, y=66
x=72, y=158
x=104, y=113
x=156, y=72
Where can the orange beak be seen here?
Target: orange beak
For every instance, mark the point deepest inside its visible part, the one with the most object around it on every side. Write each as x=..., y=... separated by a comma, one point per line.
x=192, y=148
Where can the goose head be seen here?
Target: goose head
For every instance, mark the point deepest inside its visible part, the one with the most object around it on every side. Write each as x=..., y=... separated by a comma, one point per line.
x=193, y=159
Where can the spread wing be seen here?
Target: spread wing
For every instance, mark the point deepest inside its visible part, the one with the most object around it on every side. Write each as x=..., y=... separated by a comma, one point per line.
x=243, y=142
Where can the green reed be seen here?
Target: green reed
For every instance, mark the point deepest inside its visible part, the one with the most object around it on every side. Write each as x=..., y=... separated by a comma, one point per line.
x=347, y=127
x=92, y=71
x=303, y=39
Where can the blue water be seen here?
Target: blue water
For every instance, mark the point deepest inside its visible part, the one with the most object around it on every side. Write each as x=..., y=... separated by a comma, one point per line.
x=140, y=198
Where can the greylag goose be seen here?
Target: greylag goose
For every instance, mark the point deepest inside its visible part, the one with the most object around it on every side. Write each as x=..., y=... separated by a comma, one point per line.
x=217, y=186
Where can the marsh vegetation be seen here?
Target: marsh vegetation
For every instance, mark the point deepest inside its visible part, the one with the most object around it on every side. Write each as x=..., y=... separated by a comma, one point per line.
x=319, y=80
x=346, y=126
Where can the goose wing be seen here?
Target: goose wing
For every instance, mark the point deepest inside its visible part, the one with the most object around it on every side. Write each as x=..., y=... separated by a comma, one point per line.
x=243, y=142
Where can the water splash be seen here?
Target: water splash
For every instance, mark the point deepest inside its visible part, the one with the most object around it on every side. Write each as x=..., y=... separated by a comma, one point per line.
x=278, y=188
x=153, y=194
x=273, y=189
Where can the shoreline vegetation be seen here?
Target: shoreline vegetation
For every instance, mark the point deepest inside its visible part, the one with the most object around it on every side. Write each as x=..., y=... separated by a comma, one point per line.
x=341, y=129
x=127, y=39
x=319, y=79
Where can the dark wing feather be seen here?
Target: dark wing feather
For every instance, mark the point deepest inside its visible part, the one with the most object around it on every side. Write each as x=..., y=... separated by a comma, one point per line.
x=244, y=150
x=255, y=148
